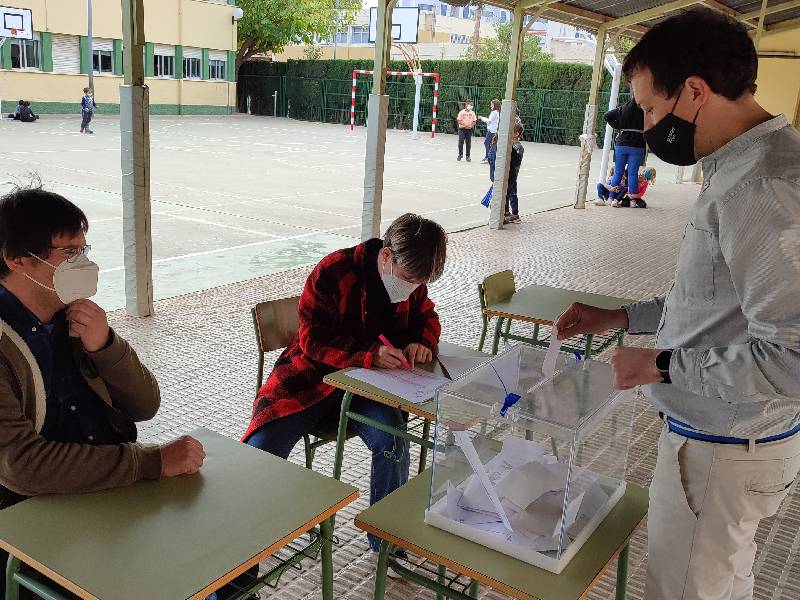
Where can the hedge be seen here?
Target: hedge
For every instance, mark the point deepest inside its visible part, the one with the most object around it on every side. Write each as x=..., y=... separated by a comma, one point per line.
x=551, y=96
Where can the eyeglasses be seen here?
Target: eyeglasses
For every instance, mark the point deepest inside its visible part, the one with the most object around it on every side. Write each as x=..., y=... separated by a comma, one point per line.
x=72, y=252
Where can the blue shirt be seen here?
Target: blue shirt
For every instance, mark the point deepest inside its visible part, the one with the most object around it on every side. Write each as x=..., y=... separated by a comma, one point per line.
x=75, y=414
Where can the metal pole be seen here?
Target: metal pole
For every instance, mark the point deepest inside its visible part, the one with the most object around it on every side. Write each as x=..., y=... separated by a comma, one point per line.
x=90, y=45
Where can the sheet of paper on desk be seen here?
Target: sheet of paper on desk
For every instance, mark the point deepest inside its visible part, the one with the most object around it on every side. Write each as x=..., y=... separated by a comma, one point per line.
x=458, y=365
x=413, y=385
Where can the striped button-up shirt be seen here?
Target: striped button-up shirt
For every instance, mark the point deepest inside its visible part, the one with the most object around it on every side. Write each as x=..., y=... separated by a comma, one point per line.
x=732, y=315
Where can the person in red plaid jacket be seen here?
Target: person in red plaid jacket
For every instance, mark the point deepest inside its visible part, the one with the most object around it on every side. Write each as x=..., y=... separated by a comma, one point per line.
x=351, y=297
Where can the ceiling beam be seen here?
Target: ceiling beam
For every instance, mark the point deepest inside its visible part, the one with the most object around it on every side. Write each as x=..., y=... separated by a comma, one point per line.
x=788, y=25
x=724, y=8
x=651, y=13
x=771, y=10
x=591, y=18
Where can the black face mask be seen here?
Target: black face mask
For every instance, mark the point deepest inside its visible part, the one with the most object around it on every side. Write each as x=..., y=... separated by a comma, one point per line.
x=672, y=138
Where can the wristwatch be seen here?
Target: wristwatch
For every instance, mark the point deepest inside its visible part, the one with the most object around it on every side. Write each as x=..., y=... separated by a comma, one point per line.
x=663, y=359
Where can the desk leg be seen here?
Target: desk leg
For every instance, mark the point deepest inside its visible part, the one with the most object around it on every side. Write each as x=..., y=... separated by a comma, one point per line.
x=423, y=451
x=341, y=437
x=587, y=350
x=622, y=573
x=497, y=331
x=380, y=572
x=12, y=587
x=326, y=530
x=441, y=579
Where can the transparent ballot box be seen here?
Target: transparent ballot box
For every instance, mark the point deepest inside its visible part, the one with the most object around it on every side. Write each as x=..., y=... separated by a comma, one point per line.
x=526, y=464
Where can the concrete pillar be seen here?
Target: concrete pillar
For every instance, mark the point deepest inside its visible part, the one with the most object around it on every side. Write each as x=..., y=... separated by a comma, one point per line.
x=612, y=104
x=588, y=138
x=378, y=116
x=135, y=163
x=508, y=114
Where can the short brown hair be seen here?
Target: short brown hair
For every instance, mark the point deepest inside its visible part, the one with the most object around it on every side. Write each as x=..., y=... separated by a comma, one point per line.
x=419, y=245
x=496, y=104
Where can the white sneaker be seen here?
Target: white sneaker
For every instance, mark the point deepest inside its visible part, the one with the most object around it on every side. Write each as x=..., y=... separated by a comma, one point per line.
x=599, y=202
x=615, y=203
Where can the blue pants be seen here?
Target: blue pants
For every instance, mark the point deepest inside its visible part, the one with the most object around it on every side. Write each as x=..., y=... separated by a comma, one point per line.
x=487, y=142
x=604, y=194
x=86, y=119
x=390, y=455
x=632, y=158
x=512, y=200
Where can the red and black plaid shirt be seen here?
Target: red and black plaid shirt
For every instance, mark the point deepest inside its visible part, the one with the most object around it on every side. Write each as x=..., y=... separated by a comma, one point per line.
x=332, y=335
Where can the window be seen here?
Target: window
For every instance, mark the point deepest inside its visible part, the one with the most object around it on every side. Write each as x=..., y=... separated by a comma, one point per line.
x=25, y=54
x=163, y=66
x=192, y=68
x=443, y=10
x=216, y=69
x=360, y=34
x=465, y=12
x=503, y=16
x=458, y=39
x=426, y=7
x=103, y=61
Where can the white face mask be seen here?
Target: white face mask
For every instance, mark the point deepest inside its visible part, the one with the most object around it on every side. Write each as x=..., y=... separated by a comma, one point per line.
x=398, y=289
x=469, y=106
x=72, y=280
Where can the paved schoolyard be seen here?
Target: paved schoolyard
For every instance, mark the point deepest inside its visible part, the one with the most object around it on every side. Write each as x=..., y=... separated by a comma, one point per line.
x=242, y=196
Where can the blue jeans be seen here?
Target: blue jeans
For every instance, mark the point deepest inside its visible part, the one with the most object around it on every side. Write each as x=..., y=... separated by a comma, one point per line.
x=604, y=194
x=512, y=200
x=632, y=158
x=487, y=142
x=86, y=119
x=390, y=455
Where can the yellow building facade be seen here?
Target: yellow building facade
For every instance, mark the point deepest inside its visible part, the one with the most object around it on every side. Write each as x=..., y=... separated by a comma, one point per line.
x=190, y=58
x=779, y=74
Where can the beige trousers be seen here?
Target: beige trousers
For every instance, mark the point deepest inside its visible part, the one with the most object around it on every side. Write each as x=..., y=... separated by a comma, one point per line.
x=706, y=501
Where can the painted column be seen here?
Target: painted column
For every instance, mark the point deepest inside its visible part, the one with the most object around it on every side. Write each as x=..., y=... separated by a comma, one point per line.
x=588, y=138
x=135, y=163
x=612, y=104
x=376, y=126
x=149, y=56
x=83, y=46
x=508, y=117
x=204, y=70
x=179, y=74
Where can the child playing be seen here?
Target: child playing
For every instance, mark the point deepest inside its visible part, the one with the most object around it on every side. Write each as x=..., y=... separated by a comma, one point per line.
x=607, y=193
x=492, y=123
x=647, y=177
x=87, y=109
x=517, y=152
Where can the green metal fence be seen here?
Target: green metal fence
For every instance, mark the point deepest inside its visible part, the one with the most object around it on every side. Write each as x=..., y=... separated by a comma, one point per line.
x=549, y=116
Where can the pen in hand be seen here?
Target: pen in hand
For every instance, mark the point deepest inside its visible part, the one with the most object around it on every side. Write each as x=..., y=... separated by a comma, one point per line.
x=388, y=344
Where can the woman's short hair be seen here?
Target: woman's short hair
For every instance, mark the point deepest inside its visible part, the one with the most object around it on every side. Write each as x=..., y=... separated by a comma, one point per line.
x=418, y=245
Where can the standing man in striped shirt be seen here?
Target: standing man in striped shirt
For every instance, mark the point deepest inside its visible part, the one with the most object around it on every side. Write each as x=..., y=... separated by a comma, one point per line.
x=725, y=373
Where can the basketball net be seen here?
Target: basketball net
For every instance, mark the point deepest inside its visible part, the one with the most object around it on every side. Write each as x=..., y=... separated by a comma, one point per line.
x=411, y=56
x=13, y=32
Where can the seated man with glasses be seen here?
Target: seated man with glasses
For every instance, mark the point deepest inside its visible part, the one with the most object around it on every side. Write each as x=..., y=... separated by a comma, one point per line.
x=71, y=389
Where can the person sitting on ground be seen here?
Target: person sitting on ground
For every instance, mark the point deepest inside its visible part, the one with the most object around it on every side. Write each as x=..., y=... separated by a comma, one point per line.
x=71, y=389
x=350, y=299
x=15, y=114
x=647, y=177
x=517, y=152
x=26, y=114
x=608, y=193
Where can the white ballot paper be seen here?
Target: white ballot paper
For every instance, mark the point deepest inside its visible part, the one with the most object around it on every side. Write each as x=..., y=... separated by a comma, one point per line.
x=549, y=364
x=523, y=485
x=465, y=443
x=414, y=385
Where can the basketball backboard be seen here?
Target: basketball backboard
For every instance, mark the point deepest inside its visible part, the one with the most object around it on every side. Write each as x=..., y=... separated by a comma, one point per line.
x=16, y=23
x=405, y=24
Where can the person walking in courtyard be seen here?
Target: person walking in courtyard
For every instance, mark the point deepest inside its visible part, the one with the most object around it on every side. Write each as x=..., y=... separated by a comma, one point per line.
x=87, y=110
x=724, y=371
x=466, y=123
x=492, y=123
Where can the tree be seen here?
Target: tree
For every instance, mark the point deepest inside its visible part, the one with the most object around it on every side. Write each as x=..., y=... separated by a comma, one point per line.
x=271, y=25
x=500, y=47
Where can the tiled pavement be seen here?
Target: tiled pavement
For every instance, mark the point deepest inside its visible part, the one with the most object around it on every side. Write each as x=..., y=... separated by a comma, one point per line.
x=202, y=349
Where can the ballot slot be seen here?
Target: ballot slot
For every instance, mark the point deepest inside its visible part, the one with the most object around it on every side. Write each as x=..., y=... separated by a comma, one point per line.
x=536, y=479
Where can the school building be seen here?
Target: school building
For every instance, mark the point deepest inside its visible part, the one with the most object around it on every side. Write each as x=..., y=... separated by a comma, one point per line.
x=190, y=59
